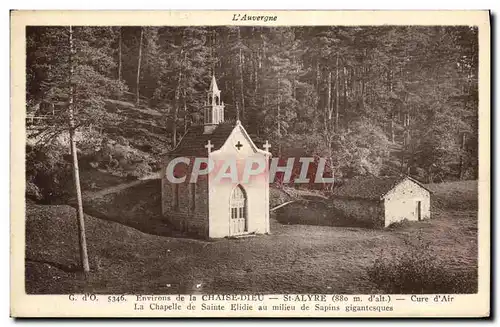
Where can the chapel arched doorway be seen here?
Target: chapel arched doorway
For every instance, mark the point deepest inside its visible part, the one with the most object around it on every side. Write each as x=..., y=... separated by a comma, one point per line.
x=238, y=223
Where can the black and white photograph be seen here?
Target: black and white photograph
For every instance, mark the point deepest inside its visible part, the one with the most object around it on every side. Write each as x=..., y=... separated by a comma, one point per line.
x=210, y=160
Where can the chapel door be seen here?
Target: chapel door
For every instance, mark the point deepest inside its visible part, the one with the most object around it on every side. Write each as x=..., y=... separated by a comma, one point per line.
x=419, y=210
x=238, y=204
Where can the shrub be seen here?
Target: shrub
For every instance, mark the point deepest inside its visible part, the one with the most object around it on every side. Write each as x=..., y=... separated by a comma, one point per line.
x=416, y=269
x=119, y=159
x=32, y=191
x=89, y=141
x=47, y=172
x=401, y=224
x=139, y=169
x=123, y=141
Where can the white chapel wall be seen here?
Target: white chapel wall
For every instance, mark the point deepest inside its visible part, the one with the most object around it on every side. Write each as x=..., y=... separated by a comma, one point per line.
x=220, y=193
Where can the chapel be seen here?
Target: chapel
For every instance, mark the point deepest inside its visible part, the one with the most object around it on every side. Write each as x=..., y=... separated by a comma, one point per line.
x=212, y=207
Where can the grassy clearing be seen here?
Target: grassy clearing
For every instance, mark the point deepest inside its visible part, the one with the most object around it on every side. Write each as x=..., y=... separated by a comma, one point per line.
x=460, y=195
x=294, y=259
x=138, y=206
x=417, y=269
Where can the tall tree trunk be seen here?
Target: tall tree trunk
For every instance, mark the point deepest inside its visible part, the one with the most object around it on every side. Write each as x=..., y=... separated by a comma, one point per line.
x=392, y=127
x=430, y=177
x=408, y=129
x=74, y=155
x=139, y=68
x=362, y=81
x=242, y=94
x=351, y=93
x=279, y=117
x=403, y=148
x=294, y=82
x=406, y=142
x=317, y=78
x=174, y=126
x=235, y=103
x=391, y=76
x=345, y=73
x=461, y=166
x=264, y=49
x=186, y=115
x=402, y=160
x=328, y=114
x=258, y=65
x=120, y=54
x=337, y=94
x=404, y=129
x=329, y=124
x=177, y=97
x=212, y=51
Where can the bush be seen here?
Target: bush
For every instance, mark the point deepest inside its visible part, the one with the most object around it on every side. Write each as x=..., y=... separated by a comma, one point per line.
x=122, y=141
x=416, y=269
x=47, y=172
x=119, y=159
x=33, y=192
x=401, y=224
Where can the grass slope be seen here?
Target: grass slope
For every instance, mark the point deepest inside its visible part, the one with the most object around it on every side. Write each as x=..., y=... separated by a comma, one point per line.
x=137, y=206
x=461, y=195
x=294, y=259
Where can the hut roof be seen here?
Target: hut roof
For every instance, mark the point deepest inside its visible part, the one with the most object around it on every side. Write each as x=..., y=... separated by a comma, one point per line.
x=370, y=188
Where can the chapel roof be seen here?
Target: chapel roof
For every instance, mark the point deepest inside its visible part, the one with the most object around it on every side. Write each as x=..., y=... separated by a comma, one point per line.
x=193, y=143
x=370, y=188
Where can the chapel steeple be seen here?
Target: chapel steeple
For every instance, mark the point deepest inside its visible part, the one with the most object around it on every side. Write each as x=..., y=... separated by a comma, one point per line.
x=214, y=108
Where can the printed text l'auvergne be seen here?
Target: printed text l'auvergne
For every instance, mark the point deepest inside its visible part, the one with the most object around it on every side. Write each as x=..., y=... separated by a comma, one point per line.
x=254, y=18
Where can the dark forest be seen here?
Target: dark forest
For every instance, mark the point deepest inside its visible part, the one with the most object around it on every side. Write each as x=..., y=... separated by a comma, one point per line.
x=373, y=100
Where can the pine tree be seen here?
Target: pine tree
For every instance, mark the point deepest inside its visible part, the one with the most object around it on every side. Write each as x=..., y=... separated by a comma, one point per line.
x=72, y=68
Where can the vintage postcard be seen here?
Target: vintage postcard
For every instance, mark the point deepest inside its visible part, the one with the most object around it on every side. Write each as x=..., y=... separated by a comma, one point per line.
x=250, y=164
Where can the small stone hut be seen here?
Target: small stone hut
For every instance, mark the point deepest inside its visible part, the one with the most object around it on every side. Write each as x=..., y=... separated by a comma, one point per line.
x=381, y=201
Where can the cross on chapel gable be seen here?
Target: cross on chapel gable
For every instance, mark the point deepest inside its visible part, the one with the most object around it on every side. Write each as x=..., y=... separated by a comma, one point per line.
x=267, y=146
x=209, y=146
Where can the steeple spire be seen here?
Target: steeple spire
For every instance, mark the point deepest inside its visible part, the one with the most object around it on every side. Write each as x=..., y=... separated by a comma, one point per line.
x=214, y=107
x=213, y=86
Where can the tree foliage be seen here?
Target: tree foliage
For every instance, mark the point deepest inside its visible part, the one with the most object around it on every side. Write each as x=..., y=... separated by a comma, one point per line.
x=374, y=100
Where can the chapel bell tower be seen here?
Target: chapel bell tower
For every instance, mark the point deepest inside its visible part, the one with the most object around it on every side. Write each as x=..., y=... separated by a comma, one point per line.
x=214, y=108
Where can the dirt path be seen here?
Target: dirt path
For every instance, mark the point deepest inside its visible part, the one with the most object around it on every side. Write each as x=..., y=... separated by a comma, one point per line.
x=113, y=189
x=121, y=187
